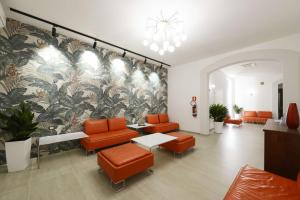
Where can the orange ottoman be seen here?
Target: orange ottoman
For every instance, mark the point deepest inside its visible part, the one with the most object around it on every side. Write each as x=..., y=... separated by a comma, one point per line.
x=123, y=161
x=181, y=144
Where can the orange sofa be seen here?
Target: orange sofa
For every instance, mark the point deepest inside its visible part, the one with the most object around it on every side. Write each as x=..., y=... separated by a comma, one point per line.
x=123, y=161
x=106, y=132
x=228, y=120
x=256, y=184
x=260, y=117
x=160, y=124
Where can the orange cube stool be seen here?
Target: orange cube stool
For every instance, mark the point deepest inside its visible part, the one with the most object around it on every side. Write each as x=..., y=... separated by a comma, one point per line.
x=123, y=161
x=182, y=143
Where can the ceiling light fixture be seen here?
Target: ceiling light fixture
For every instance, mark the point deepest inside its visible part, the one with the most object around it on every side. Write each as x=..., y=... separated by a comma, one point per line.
x=95, y=44
x=164, y=33
x=54, y=31
x=124, y=54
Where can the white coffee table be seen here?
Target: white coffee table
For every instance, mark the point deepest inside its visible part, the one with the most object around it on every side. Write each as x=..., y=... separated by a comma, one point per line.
x=153, y=140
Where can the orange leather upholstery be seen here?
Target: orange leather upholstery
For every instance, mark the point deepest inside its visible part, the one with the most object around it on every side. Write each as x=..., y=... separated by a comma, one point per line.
x=250, y=114
x=102, y=139
x=264, y=114
x=116, y=124
x=152, y=119
x=123, y=161
x=181, y=144
x=228, y=120
x=256, y=184
x=298, y=180
x=92, y=126
x=260, y=117
x=161, y=126
x=163, y=118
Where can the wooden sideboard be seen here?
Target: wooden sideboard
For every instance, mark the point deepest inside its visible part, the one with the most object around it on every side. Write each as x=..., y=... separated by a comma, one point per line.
x=282, y=150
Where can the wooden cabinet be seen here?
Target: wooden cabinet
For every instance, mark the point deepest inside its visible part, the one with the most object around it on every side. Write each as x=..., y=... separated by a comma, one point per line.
x=282, y=150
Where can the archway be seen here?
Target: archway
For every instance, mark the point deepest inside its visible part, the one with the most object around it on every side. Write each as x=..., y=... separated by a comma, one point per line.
x=287, y=58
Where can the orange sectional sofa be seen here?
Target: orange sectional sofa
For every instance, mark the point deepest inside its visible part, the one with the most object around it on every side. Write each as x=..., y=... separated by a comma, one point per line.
x=160, y=124
x=106, y=132
x=260, y=117
x=256, y=184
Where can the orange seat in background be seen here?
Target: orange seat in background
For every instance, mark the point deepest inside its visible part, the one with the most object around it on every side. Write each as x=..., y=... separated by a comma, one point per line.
x=260, y=117
x=160, y=124
x=256, y=184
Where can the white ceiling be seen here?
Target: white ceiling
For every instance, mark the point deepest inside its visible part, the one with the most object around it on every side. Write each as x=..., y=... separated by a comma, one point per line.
x=212, y=26
x=254, y=69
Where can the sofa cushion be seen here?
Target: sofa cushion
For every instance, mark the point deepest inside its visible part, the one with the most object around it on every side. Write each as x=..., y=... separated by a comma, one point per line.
x=152, y=118
x=250, y=114
x=95, y=126
x=162, y=127
x=264, y=114
x=163, y=118
x=116, y=124
x=180, y=136
x=124, y=154
x=111, y=135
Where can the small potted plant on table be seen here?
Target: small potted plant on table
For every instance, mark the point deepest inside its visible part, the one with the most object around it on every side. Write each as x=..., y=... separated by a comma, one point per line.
x=238, y=111
x=18, y=124
x=218, y=113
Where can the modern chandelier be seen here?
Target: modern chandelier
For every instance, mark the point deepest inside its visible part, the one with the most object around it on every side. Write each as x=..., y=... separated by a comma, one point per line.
x=164, y=33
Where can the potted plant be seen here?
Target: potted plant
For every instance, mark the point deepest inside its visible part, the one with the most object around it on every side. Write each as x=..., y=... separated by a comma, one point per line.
x=218, y=112
x=238, y=111
x=17, y=123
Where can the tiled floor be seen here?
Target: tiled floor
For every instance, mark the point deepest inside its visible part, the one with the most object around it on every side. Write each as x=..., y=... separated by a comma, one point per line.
x=205, y=173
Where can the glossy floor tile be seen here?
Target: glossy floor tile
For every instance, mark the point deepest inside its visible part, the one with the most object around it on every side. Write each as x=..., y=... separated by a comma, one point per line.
x=203, y=173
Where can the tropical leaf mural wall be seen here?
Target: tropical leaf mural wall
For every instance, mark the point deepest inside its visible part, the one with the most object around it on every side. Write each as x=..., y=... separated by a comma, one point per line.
x=67, y=81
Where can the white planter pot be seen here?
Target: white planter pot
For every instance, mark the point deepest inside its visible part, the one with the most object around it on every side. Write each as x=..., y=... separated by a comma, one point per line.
x=18, y=155
x=218, y=127
x=237, y=116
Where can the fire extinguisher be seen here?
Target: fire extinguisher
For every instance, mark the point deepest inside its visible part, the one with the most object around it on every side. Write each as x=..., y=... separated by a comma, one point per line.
x=194, y=106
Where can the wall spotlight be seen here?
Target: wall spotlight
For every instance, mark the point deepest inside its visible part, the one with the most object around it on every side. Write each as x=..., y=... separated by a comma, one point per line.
x=54, y=31
x=95, y=44
x=123, y=55
x=145, y=61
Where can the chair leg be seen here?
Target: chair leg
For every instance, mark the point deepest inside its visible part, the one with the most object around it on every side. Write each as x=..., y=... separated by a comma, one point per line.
x=118, y=186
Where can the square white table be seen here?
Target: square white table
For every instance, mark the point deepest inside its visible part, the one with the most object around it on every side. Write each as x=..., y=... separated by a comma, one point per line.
x=58, y=138
x=153, y=140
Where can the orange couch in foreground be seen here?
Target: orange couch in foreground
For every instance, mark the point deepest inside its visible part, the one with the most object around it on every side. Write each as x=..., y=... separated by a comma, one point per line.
x=260, y=117
x=256, y=184
x=160, y=124
x=106, y=132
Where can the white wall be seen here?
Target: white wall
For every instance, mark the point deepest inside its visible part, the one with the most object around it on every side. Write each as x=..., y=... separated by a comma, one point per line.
x=184, y=81
x=223, y=93
x=251, y=95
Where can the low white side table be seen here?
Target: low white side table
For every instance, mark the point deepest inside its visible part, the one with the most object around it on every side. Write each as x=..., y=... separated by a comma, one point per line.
x=56, y=139
x=136, y=126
